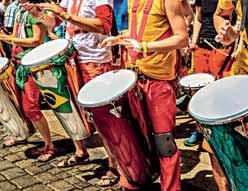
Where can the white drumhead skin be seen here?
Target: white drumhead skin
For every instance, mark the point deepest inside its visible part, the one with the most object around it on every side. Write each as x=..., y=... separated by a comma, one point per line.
x=45, y=52
x=3, y=62
x=222, y=101
x=106, y=88
x=196, y=81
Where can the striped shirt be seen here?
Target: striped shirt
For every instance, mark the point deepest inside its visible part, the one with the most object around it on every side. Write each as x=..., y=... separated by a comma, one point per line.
x=10, y=13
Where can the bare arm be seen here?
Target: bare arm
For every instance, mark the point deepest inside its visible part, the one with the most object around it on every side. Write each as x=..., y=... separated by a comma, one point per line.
x=87, y=24
x=179, y=39
x=188, y=12
x=196, y=25
x=36, y=40
x=227, y=34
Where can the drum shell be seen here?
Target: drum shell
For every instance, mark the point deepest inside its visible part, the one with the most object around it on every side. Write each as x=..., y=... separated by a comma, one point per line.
x=230, y=148
x=127, y=143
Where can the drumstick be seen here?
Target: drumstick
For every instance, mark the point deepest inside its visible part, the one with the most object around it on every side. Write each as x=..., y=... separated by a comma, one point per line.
x=212, y=46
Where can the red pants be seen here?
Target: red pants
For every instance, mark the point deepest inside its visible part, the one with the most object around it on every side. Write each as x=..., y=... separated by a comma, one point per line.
x=160, y=102
x=208, y=61
x=30, y=100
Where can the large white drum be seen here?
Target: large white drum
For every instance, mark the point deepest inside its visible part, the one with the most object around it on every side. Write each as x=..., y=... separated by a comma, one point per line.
x=45, y=53
x=107, y=88
x=222, y=101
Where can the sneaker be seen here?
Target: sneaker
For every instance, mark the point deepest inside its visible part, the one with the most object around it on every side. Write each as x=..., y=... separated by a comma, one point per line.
x=194, y=139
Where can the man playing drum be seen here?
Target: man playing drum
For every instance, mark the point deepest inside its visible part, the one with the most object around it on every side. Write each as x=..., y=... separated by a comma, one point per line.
x=33, y=35
x=88, y=23
x=158, y=32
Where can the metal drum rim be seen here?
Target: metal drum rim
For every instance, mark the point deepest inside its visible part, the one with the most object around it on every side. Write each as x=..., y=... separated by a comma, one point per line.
x=195, y=87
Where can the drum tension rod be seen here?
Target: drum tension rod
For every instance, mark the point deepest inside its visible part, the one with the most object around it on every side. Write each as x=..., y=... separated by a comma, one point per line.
x=116, y=111
x=243, y=127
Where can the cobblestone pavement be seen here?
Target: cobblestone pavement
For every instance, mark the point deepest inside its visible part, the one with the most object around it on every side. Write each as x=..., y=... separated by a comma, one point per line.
x=18, y=171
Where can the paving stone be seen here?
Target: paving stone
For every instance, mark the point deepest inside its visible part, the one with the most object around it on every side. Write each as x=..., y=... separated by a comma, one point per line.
x=61, y=185
x=13, y=158
x=94, y=181
x=2, y=178
x=5, y=165
x=38, y=187
x=7, y=186
x=46, y=167
x=13, y=173
x=74, y=171
x=72, y=180
x=82, y=185
x=46, y=177
x=4, y=152
x=88, y=167
x=56, y=171
x=15, y=149
x=25, y=181
x=63, y=175
x=92, y=188
x=21, y=155
x=33, y=170
x=25, y=163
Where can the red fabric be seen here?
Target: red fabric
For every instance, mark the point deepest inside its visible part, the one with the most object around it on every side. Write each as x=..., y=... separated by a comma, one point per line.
x=91, y=70
x=30, y=100
x=105, y=14
x=208, y=61
x=159, y=99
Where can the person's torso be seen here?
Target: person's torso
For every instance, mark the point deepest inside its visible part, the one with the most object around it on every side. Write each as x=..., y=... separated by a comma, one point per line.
x=158, y=65
x=208, y=8
x=87, y=43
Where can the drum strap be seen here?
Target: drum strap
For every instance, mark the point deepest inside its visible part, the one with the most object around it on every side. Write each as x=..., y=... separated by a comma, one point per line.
x=134, y=35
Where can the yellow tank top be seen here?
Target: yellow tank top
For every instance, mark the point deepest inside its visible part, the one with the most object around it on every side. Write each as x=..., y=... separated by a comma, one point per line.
x=157, y=65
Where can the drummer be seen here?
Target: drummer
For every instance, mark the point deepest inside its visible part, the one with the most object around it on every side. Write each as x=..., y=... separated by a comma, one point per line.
x=207, y=55
x=153, y=56
x=227, y=33
x=24, y=41
x=88, y=25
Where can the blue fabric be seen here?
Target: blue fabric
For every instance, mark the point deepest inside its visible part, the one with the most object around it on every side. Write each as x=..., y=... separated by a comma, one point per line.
x=121, y=15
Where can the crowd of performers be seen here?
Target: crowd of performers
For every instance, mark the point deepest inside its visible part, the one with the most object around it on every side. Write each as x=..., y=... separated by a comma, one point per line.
x=159, y=52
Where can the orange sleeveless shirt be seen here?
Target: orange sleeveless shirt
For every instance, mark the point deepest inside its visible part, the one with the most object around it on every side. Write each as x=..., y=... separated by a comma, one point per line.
x=157, y=65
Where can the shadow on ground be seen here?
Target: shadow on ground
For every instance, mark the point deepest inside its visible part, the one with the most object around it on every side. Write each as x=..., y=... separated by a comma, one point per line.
x=64, y=146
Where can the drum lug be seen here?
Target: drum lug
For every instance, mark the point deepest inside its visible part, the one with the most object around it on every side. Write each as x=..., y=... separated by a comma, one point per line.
x=243, y=125
x=116, y=111
x=206, y=132
x=138, y=94
x=90, y=117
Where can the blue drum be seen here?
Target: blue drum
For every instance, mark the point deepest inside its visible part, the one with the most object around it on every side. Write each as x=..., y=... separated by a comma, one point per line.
x=221, y=108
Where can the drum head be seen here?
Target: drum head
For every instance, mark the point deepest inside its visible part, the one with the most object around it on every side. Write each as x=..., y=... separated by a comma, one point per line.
x=44, y=53
x=221, y=101
x=106, y=88
x=3, y=62
x=196, y=81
